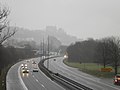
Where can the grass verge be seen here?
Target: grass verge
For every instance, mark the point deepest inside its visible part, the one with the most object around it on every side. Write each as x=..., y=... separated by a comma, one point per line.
x=92, y=69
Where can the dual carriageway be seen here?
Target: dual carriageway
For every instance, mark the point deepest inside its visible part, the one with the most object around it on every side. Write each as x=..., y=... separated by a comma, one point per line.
x=15, y=79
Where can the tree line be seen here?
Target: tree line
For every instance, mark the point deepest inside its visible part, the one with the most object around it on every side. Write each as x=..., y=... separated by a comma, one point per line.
x=10, y=55
x=104, y=51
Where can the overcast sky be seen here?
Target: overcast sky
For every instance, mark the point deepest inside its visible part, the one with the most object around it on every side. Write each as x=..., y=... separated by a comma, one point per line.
x=81, y=18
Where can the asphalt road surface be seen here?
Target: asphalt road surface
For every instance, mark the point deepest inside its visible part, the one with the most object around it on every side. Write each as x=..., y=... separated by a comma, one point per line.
x=12, y=79
x=58, y=66
x=16, y=80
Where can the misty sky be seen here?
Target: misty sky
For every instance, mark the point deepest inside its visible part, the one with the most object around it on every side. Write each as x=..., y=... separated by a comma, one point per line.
x=81, y=18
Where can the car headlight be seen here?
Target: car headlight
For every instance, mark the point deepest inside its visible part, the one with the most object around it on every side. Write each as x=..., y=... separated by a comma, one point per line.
x=22, y=65
x=115, y=80
x=26, y=65
x=118, y=78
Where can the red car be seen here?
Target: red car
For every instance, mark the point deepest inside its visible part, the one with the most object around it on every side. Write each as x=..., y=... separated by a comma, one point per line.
x=117, y=79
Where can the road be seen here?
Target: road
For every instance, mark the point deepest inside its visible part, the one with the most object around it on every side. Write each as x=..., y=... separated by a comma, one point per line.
x=16, y=80
x=95, y=83
x=12, y=79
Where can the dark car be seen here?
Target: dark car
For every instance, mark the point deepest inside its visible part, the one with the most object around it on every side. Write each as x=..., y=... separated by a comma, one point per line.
x=117, y=79
x=54, y=59
x=25, y=70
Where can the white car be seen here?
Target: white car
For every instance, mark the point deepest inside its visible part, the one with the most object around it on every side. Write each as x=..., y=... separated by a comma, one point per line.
x=24, y=65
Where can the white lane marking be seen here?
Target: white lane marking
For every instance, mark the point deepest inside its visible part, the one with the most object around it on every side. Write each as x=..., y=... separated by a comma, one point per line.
x=89, y=78
x=75, y=77
x=7, y=78
x=53, y=81
x=50, y=79
x=21, y=81
x=42, y=85
x=36, y=80
x=39, y=82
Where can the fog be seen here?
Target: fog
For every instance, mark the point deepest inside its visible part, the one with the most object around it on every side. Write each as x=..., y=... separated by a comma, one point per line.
x=80, y=18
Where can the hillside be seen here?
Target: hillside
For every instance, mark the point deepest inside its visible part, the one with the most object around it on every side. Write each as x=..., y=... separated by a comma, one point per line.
x=37, y=35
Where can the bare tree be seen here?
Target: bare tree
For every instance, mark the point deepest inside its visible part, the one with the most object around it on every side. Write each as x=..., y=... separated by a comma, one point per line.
x=5, y=31
x=109, y=52
x=103, y=51
x=114, y=48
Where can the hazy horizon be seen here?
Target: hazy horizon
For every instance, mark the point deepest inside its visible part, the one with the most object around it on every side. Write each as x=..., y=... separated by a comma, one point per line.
x=81, y=18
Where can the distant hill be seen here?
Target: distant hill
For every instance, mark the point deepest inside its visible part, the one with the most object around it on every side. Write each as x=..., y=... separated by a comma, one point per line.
x=37, y=35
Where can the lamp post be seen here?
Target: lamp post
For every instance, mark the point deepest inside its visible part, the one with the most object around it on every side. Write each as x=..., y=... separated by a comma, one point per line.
x=48, y=54
x=43, y=50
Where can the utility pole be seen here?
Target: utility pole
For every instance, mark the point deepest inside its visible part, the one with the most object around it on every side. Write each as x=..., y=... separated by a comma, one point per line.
x=39, y=49
x=43, y=49
x=48, y=54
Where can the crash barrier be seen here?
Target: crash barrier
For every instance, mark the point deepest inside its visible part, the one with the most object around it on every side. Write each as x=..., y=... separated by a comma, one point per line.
x=66, y=82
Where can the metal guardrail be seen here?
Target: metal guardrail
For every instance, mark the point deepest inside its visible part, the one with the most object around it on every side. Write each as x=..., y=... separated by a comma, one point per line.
x=71, y=84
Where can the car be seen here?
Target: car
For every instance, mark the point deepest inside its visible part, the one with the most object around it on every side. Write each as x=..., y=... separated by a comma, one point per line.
x=25, y=70
x=54, y=59
x=33, y=62
x=24, y=65
x=35, y=69
x=117, y=79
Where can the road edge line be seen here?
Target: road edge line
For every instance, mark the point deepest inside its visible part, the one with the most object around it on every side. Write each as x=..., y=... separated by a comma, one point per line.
x=21, y=81
x=7, y=81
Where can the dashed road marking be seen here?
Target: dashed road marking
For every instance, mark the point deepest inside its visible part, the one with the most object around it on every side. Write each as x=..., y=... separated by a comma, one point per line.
x=43, y=85
x=37, y=80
